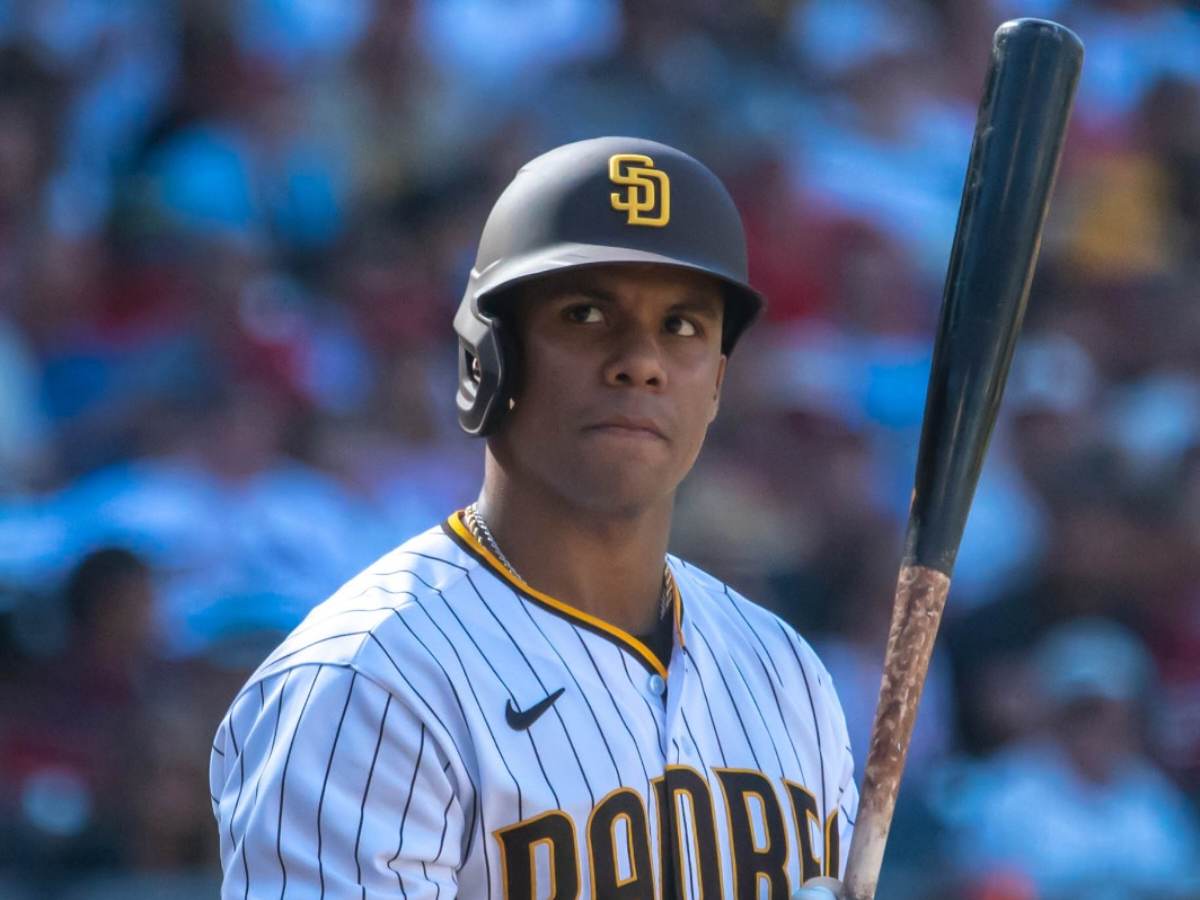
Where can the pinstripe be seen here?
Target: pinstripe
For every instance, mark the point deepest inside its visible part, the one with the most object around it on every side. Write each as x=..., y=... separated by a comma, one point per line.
x=283, y=778
x=737, y=608
x=767, y=729
x=427, y=556
x=404, y=816
x=362, y=809
x=813, y=707
x=287, y=676
x=271, y=752
x=695, y=743
x=262, y=702
x=337, y=614
x=716, y=732
x=275, y=660
x=325, y=783
x=241, y=784
x=442, y=839
x=438, y=559
x=732, y=701
x=274, y=674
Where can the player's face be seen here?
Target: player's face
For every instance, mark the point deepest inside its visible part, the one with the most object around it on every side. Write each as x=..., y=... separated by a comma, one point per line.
x=621, y=374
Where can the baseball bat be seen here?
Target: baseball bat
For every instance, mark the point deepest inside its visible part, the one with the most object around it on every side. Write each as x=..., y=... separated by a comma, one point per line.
x=1018, y=141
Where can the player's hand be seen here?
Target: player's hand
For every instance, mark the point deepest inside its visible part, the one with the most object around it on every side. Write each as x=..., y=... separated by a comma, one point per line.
x=820, y=889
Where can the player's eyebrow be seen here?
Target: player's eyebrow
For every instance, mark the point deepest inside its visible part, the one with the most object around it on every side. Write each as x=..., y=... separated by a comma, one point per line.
x=702, y=304
x=589, y=292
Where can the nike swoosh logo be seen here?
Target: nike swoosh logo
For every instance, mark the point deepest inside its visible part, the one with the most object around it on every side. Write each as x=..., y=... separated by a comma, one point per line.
x=519, y=720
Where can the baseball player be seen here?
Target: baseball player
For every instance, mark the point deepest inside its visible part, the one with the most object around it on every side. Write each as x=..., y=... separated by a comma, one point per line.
x=532, y=698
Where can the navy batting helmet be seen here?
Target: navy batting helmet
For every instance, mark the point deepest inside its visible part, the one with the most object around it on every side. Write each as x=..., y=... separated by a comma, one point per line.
x=598, y=201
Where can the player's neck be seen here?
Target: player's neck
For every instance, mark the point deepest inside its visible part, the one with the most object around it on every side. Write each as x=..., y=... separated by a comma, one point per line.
x=609, y=565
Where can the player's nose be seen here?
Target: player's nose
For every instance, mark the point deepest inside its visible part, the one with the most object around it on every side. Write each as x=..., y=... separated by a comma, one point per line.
x=636, y=361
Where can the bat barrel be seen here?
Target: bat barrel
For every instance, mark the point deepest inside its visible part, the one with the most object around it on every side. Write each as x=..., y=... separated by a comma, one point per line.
x=1014, y=158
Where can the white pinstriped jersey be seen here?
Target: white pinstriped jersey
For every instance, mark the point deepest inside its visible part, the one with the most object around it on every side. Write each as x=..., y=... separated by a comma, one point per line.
x=437, y=728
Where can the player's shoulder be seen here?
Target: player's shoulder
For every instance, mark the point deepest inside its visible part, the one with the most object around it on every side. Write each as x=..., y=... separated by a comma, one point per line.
x=372, y=638
x=725, y=610
x=365, y=621
x=714, y=600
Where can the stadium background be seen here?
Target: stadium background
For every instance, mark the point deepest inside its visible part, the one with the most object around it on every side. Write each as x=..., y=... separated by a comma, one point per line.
x=232, y=236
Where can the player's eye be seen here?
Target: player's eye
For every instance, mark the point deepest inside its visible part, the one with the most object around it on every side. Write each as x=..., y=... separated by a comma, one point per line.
x=583, y=313
x=680, y=326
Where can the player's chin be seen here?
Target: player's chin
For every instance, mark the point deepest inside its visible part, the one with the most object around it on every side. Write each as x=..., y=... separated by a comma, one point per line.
x=623, y=454
x=624, y=484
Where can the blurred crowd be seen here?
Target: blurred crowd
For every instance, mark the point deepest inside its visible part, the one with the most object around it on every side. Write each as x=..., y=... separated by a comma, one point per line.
x=232, y=238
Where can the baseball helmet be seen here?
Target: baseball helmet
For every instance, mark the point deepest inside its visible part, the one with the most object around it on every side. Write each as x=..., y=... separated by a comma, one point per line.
x=605, y=200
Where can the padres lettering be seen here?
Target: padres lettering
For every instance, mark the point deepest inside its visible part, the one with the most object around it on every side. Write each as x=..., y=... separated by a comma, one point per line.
x=618, y=840
x=647, y=189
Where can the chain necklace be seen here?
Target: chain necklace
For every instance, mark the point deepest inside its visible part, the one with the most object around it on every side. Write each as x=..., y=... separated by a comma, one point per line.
x=479, y=527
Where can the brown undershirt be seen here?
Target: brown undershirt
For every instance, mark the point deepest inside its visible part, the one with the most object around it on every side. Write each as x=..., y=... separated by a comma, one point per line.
x=661, y=639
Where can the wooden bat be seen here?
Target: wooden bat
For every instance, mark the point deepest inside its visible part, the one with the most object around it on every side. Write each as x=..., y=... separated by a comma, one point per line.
x=1014, y=157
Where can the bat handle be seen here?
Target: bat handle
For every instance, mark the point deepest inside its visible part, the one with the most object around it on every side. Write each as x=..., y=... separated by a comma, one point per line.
x=917, y=613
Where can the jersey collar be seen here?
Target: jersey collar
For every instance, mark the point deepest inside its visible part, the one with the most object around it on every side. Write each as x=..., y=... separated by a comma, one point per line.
x=461, y=535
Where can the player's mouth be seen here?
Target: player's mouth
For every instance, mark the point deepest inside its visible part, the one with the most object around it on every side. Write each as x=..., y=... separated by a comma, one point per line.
x=628, y=427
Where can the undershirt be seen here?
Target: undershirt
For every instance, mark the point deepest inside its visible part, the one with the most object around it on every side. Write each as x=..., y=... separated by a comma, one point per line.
x=661, y=639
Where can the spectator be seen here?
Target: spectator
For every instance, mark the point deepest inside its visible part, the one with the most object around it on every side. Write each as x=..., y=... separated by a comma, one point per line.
x=68, y=719
x=1079, y=807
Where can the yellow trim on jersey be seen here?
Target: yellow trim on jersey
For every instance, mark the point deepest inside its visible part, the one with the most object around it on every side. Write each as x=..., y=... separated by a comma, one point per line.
x=457, y=526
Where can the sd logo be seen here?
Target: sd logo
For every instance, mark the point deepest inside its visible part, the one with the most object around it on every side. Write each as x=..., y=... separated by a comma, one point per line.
x=647, y=189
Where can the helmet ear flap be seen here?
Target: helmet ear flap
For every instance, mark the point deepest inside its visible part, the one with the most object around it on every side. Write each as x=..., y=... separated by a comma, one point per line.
x=486, y=371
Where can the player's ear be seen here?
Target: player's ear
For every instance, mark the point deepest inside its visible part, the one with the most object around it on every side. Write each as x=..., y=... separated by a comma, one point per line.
x=716, y=400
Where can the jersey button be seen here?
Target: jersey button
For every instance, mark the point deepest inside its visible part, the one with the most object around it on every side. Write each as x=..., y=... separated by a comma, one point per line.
x=656, y=685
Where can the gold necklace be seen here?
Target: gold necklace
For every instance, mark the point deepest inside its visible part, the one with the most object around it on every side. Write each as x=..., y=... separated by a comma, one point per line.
x=479, y=527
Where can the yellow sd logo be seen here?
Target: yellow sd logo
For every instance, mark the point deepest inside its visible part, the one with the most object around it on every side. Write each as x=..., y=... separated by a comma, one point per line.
x=646, y=189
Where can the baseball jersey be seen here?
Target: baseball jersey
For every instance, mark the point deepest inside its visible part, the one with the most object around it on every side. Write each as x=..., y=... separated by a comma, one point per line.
x=439, y=728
